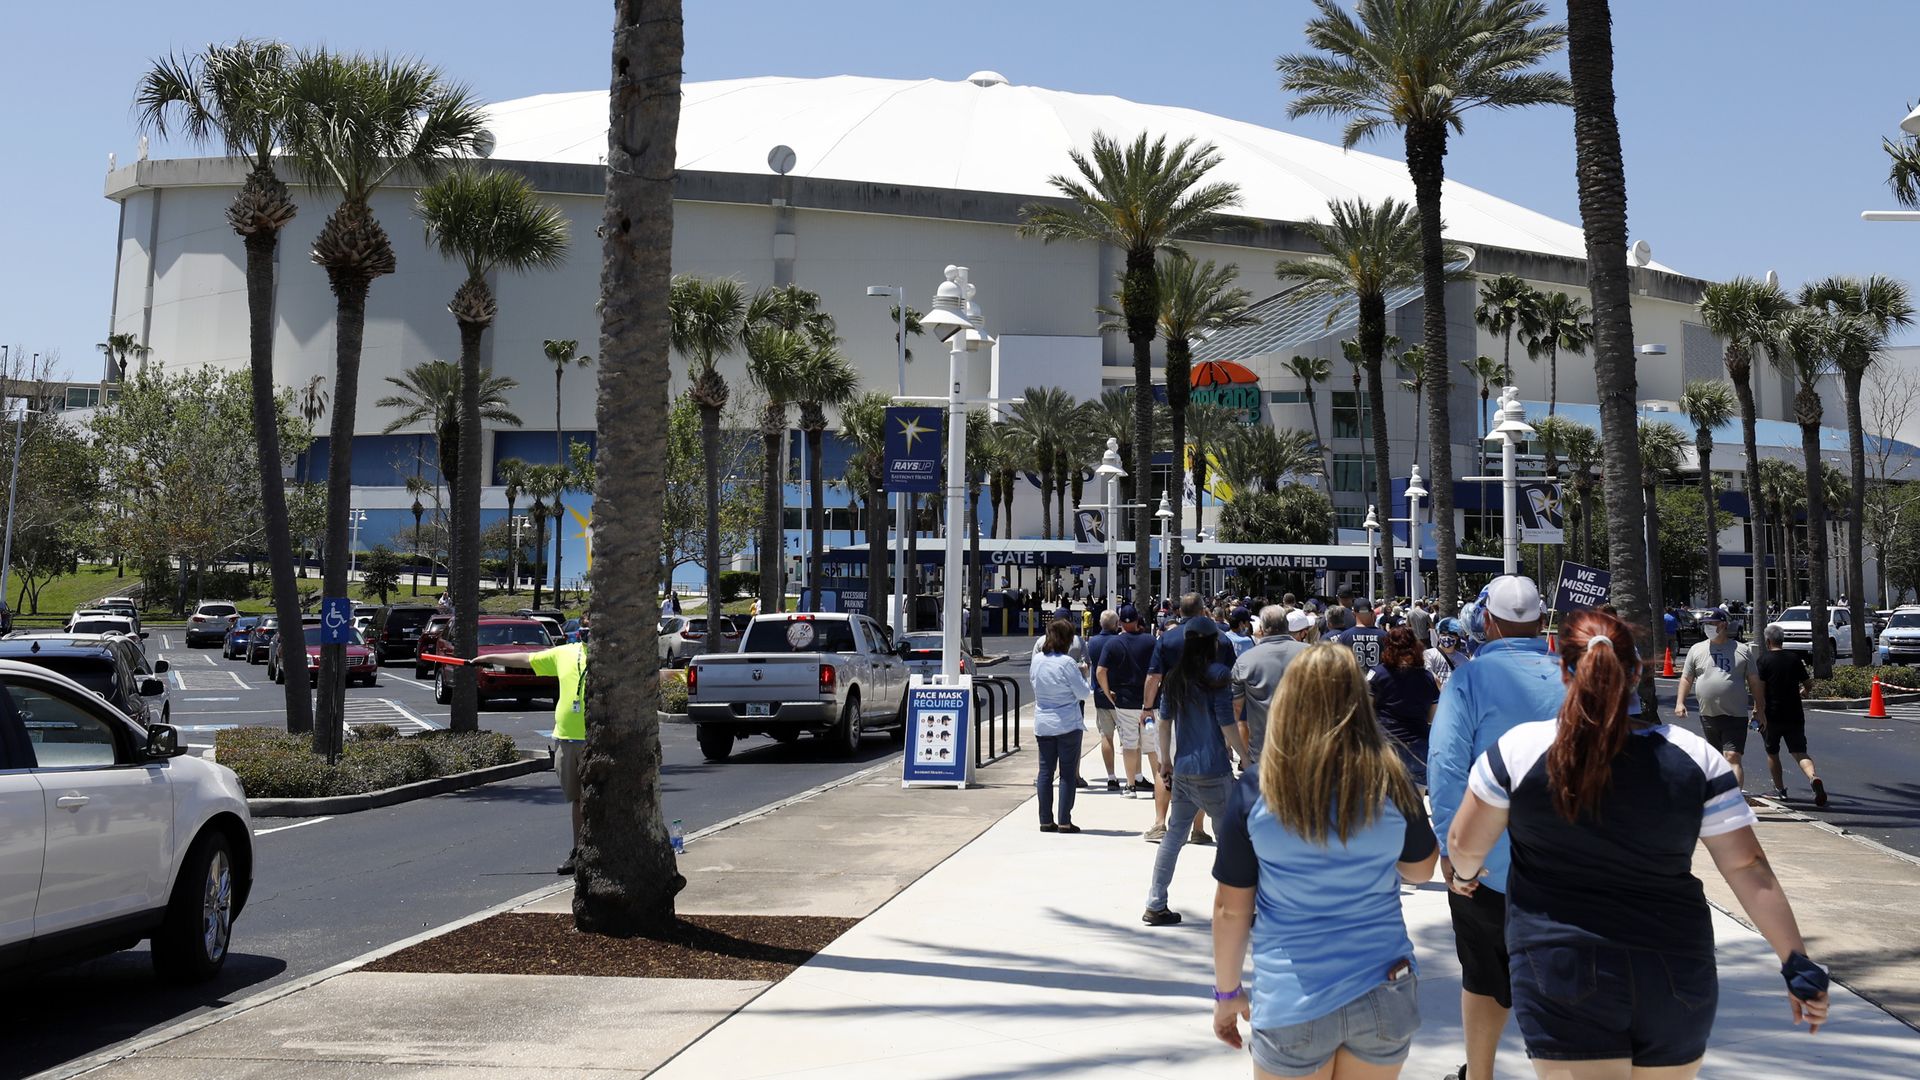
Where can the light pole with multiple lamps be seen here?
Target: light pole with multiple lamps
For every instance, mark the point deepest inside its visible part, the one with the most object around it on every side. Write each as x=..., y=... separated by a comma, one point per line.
x=955, y=317
x=1165, y=516
x=1415, y=492
x=1111, y=472
x=1372, y=525
x=1509, y=433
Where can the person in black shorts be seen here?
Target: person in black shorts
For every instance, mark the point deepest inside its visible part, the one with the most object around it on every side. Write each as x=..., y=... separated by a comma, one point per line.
x=1598, y=806
x=1786, y=677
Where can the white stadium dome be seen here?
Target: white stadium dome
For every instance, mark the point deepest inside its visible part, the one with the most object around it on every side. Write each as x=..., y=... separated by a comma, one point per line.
x=1002, y=138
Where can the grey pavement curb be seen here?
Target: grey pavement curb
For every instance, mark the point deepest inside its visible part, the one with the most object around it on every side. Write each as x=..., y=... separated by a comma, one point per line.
x=120, y=1051
x=531, y=761
x=1891, y=697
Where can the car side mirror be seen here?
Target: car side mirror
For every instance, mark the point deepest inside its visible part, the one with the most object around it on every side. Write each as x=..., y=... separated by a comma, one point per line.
x=143, y=635
x=161, y=667
x=163, y=741
x=904, y=649
x=152, y=687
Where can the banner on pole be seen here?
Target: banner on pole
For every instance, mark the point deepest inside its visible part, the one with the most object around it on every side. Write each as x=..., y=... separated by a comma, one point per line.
x=913, y=449
x=1089, y=531
x=1581, y=587
x=1542, y=521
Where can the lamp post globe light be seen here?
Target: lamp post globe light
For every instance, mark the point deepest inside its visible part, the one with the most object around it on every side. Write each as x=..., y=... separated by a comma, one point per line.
x=898, y=293
x=955, y=318
x=353, y=549
x=1509, y=432
x=418, y=510
x=1165, y=516
x=1372, y=525
x=1110, y=472
x=1415, y=492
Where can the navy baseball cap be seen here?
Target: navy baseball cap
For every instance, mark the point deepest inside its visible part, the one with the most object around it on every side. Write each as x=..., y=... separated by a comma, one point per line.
x=1129, y=613
x=1718, y=614
x=1064, y=613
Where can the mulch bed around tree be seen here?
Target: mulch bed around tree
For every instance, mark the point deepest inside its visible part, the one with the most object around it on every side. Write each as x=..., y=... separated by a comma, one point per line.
x=748, y=947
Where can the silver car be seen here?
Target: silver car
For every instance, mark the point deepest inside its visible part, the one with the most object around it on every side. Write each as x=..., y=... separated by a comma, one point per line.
x=924, y=652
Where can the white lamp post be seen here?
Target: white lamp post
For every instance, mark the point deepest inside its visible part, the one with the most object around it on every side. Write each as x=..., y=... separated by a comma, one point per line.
x=1415, y=492
x=1165, y=516
x=353, y=554
x=1509, y=432
x=20, y=414
x=1372, y=525
x=1110, y=472
x=899, y=295
x=956, y=319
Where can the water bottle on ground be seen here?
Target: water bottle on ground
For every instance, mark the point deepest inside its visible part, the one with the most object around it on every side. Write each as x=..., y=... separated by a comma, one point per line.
x=676, y=834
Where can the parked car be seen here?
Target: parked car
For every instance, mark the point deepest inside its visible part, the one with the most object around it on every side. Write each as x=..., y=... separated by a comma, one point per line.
x=261, y=639
x=396, y=630
x=104, y=624
x=208, y=623
x=1796, y=630
x=238, y=635
x=113, y=833
x=503, y=634
x=686, y=638
x=575, y=630
x=113, y=667
x=1690, y=631
x=360, y=662
x=831, y=675
x=1899, y=643
x=120, y=605
x=924, y=651
x=431, y=636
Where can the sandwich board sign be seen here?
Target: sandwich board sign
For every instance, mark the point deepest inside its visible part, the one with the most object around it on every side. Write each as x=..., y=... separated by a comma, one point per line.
x=939, y=733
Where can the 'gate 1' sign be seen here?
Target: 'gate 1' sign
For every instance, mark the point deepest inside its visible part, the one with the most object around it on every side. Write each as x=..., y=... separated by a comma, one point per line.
x=1581, y=587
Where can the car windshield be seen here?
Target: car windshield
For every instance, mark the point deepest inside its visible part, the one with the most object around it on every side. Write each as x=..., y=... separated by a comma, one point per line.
x=800, y=635
x=99, y=626
x=408, y=619
x=927, y=645
x=246, y=624
x=1905, y=618
x=93, y=672
x=1794, y=614
x=514, y=634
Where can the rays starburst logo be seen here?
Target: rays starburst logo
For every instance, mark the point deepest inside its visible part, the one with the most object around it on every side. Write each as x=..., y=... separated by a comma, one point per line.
x=910, y=428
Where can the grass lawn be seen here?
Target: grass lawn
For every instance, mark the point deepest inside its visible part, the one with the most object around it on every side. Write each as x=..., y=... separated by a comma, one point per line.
x=64, y=595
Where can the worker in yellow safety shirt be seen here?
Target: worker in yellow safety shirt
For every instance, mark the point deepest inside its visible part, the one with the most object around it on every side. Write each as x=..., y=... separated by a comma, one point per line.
x=568, y=664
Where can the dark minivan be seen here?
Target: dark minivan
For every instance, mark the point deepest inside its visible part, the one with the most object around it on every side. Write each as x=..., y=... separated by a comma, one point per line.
x=396, y=631
x=114, y=668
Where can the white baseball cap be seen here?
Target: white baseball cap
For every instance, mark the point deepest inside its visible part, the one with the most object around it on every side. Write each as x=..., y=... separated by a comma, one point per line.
x=1513, y=598
x=1298, y=621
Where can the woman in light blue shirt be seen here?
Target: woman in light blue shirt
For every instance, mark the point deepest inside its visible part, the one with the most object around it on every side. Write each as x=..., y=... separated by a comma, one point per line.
x=1059, y=691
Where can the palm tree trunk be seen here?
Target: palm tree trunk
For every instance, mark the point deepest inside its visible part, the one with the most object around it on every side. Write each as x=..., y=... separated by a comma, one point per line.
x=627, y=878
x=1856, y=518
x=1603, y=211
x=273, y=494
x=466, y=523
x=710, y=453
x=1426, y=143
x=1816, y=545
x=560, y=459
x=1046, y=495
x=773, y=525
x=877, y=552
x=1710, y=511
x=1656, y=582
x=1176, y=525
x=976, y=581
x=350, y=325
x=1140, y=299
x=1373, y=345
x=1756, y=503
x=816, y=514
x=1320, y=445
x=1553, y=375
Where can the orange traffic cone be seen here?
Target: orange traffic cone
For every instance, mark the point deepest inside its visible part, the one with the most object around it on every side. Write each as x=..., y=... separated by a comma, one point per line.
x=1876, y=705
x=1666, y=669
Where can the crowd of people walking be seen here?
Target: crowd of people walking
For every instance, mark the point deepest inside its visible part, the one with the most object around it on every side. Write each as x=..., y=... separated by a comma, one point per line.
x=1342, y=751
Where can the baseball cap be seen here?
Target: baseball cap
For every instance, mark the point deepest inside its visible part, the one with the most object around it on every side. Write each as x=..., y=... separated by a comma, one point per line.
x=1129, y=613
x=1064, y=613
x=1451, y=625
x=1718, y=614
x=1298, y=620
x=1239, y=615
x=1511, y=597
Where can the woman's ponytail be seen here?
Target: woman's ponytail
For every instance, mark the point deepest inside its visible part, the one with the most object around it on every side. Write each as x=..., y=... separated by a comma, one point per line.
x=1598, y=653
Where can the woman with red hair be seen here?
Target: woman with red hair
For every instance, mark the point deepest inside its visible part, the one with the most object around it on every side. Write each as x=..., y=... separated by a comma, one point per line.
x=1612, y=941
x=1404, y=696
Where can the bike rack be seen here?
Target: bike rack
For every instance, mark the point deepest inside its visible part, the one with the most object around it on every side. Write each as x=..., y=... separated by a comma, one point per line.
x=996, y=704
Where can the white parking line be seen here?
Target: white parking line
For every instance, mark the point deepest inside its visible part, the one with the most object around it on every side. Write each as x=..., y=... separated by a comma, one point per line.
x=411, y=715
x=404, y=679
x=167, y=642
x=295, y=825
x=210, y=699
x=235, y=676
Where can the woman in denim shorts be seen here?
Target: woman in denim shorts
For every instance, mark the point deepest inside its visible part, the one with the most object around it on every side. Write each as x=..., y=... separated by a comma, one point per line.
x=1317, y=839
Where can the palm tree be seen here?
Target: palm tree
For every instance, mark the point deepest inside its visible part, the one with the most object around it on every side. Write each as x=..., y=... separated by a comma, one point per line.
x=709, y=318
x=1741, y=313
x=513, y=481
x=1420, y=66
x=1414, y=361
x=1659, y=445
x=353, y=123
x=313, y=400
x=627, y=875
x=1110, y=416
x=1040, y=423
x=544, y=483
x=1506, y=304
x=1582, y=448
x=1258, y=459
x=122, y=347
x=429, y=392
x=863, y=425
x=237, y=93
x=1783, y=488
x=562, y=354
x=1139, y=198
x=1882, y=302
x=1310, y=370
x=1370, y=251
x=1196, y=299
x=1709, y=403
x=1554, y=324
x=488, y=221
x=784, y=323
x=1484, y=370
x=824, y=378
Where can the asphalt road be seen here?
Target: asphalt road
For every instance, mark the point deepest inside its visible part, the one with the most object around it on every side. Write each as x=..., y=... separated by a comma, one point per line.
x=328, y=889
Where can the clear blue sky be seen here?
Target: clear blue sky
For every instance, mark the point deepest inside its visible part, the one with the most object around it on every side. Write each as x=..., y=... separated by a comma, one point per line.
x=1752, y=130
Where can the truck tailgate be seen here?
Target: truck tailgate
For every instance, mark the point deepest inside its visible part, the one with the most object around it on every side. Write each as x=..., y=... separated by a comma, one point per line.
x=760, y=677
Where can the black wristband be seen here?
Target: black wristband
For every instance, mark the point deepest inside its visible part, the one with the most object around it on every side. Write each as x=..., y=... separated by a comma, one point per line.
x=1806, y=980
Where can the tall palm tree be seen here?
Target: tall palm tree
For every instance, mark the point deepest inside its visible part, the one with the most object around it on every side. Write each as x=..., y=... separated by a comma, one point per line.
x=1783, y=488
x=784, y=323
x=1556, y=323
x=1485, y=371
x=1196, y=299
x=1741, y=313
x=1413, y=361
x=1506, y=303
x=429, y=393
x=1659, y=445
x=354, y=123
x=237, y=93
x=1884, y=305
x=1311, y=370
x=562, y=354
x=1420, y=66
x=1041, y=423
x=627, y=875
x=1370, y=251
x=824, y=379
x=513, y=481
x=709, y=318
x=1582, y=449
x=1709, y=403
x=121, y=348
x=544, y=483
x=488, y=221
x=1139, y=197
x=863, y=425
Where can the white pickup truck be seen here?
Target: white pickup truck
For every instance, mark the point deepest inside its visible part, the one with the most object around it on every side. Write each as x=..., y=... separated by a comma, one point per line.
x=832, y=675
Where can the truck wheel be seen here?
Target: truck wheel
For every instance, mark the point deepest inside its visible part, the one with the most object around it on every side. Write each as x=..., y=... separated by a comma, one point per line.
x=191, y=943
x=716, y=744
x=847, y=732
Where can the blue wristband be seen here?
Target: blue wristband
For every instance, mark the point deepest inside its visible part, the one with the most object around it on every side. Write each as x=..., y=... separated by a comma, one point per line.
x=1229, y=995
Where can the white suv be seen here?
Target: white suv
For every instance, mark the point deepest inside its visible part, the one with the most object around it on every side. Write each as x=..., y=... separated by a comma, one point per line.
x=209, y=623
x=110, y=834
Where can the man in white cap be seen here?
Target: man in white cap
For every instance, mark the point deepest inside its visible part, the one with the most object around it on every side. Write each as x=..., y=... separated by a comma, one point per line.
x=1511, y=680
x=1280, y=637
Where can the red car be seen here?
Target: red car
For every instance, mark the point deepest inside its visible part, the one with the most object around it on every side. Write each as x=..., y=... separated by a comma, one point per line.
x=504, y=634
x=361, y=665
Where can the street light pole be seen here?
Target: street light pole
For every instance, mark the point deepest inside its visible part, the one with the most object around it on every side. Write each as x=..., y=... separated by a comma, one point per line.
x=353, y=548
x=1415, y=492
x=899, y=294
x=1372, y=525
x=1165, y=516
x=957, y=317
x=1111, y=471
x=1512, y=428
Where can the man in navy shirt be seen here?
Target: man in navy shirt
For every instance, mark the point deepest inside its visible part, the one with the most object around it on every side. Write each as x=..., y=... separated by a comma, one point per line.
x=1363, y=639
x=1121, y=673
x=1109, y=623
